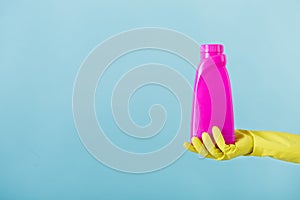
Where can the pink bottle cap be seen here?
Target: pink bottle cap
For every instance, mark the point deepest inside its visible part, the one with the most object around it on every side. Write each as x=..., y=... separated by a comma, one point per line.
x=211, y=48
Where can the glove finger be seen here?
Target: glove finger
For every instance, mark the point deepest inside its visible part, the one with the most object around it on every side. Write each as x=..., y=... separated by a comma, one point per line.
x=210, y=146
x=219, y=139
x=189, y=147
x=200, y=147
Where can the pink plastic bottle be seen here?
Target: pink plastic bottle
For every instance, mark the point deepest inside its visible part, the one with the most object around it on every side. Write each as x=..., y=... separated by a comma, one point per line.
x=212, y=102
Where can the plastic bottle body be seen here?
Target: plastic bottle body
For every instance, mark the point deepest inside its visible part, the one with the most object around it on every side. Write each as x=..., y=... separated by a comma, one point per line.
x=212, y=102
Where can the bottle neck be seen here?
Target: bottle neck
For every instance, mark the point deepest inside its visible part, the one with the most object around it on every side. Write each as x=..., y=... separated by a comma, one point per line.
x=218, y=59
x=204, y=55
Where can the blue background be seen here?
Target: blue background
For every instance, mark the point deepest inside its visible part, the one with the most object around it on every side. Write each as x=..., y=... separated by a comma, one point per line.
x=43, y=43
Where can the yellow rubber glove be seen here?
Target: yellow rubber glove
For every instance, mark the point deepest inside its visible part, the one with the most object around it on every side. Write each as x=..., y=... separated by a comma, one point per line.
x=216, y=148
x=278, y=145
x=283, y=146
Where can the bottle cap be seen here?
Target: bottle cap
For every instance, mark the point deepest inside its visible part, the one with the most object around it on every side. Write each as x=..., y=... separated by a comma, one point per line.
x=211, y=48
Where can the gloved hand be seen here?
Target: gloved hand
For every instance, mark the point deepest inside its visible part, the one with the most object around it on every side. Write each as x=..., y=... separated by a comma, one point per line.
x=278, y=145
x=217, y=149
